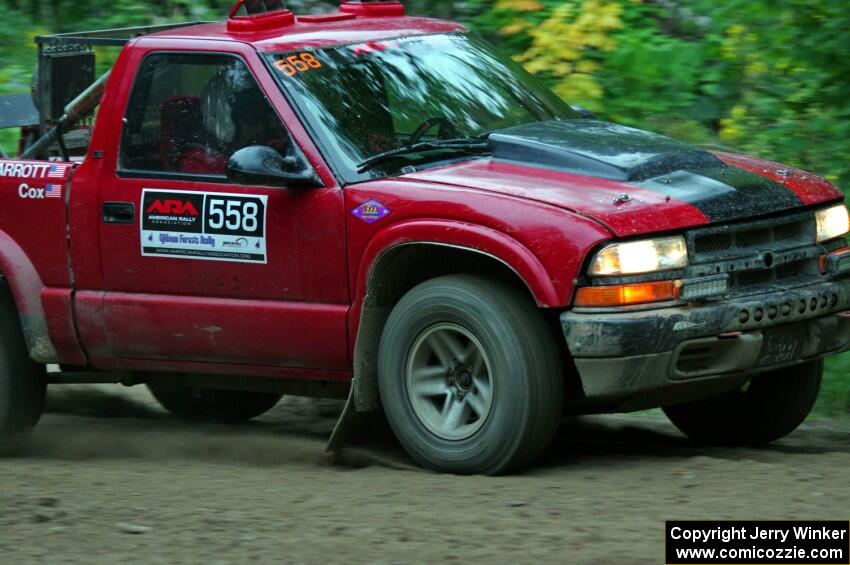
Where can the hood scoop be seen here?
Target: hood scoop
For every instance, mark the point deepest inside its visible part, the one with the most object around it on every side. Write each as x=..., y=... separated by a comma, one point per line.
x=598, y=149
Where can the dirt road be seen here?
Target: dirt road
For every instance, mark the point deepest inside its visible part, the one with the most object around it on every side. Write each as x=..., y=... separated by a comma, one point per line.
x=110, y=478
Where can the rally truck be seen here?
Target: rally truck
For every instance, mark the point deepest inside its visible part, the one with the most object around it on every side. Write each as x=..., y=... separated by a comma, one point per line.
x=373, y=206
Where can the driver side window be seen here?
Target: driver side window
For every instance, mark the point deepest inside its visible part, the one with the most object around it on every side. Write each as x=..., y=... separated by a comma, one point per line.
x=189, y=113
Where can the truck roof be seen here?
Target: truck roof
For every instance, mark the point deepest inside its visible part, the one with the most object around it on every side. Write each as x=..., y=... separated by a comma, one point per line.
x=316, y=31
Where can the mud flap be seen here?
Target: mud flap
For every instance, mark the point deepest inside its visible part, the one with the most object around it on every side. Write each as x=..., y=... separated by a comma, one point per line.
x=364, y=439
x=343, y=429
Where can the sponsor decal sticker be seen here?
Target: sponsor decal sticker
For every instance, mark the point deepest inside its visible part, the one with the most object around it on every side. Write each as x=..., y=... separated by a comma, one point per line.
x=33, y=170
x=371, y=211
x=28, y=192
x=207, y=226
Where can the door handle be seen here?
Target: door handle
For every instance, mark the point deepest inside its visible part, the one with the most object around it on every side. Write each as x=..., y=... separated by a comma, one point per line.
x=119, y=212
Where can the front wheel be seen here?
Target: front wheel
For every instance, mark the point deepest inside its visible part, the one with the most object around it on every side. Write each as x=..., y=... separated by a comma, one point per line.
x=470, y=376
x=768, y=408
x=210, y=405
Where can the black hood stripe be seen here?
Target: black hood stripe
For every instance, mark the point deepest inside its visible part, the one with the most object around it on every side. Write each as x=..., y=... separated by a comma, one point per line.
x=725, y=193
x=648, y=160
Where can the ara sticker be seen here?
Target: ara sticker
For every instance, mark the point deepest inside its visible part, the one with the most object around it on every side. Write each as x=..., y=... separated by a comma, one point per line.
x=371, y=211
x=206, y=226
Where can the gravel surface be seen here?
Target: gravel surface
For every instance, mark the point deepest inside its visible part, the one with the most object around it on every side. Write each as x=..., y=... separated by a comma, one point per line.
x=110, y=478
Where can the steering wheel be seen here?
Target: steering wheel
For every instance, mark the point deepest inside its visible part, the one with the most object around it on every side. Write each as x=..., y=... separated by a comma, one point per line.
x=447, y=129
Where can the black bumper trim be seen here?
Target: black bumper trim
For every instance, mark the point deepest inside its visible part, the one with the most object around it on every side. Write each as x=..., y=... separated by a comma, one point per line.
x=641, y=331
x=624, y=354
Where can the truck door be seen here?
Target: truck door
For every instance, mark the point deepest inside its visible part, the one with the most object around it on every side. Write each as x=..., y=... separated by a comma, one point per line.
x=198, y=269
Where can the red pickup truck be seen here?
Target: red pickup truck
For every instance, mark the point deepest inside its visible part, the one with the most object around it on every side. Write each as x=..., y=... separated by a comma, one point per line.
x=369, y=205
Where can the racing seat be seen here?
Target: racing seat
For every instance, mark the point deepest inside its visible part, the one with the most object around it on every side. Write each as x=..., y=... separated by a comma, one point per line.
x=181, y=130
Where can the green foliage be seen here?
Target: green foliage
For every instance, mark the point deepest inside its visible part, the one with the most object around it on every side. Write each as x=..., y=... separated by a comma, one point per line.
x=761, y=76
x=835, y=395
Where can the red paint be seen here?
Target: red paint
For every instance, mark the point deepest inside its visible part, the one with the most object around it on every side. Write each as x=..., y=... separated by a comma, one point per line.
x=646, y=211
x=216, y=330
x=85, y=285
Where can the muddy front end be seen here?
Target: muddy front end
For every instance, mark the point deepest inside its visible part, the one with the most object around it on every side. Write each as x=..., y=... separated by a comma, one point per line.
x=752, y=297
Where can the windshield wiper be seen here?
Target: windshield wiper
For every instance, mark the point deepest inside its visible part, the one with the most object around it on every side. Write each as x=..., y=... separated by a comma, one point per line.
x=462, y=144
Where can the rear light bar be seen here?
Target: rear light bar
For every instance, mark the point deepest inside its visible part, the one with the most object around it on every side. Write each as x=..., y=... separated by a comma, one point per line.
x=268, y=15
x=375, y=8
x=262, y=15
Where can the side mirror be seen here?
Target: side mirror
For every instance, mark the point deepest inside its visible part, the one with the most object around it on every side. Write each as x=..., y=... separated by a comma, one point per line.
x=263, y=165
x=583, y=112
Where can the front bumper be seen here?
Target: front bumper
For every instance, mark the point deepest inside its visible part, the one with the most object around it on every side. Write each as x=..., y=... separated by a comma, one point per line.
x=642, y=358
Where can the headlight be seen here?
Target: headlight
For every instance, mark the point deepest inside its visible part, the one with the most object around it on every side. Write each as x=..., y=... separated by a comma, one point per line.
x=832, y=222
x=637, y=257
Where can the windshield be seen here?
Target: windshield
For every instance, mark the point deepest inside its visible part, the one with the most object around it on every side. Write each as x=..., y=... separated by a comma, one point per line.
x=371, y=98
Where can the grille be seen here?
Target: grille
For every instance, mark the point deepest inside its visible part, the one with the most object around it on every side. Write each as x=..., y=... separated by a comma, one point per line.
x=730, y=241
x=758, y=253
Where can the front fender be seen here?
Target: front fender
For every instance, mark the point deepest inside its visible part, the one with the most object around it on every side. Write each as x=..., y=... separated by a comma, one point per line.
x=366, y=322
x=466, y=236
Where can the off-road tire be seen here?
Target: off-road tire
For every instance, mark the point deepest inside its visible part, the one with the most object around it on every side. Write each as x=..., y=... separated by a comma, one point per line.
x=772, y=406
x=527, y=378
x=22, y=381
x=210, y=405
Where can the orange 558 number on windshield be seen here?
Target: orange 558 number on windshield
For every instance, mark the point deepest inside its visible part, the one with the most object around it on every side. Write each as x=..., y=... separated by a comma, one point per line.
x=294, y=64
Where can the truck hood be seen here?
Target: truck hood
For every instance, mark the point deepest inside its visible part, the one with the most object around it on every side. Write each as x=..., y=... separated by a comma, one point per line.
x=630, y=180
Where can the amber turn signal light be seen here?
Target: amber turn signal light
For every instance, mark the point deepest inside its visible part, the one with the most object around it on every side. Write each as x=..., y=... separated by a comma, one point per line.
x=626, y=294
x=835, y=262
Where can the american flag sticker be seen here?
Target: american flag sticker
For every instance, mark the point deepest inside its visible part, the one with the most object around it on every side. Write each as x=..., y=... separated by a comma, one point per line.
x=57, y=171
x=53, y=191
